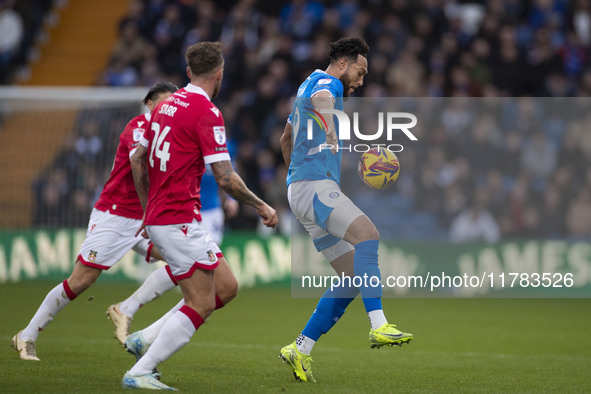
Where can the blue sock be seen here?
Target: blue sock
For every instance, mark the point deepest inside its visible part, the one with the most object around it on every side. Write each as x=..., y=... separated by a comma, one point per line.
x=366, y=266
x=329, y=310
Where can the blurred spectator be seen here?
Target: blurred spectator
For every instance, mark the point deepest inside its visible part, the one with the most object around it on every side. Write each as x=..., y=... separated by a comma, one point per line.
x=539, y=156
x=578, y=216
x=475, y=223
x=530, y=156
x=11, y=34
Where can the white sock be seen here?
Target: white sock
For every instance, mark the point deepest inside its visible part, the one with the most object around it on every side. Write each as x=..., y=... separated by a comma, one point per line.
x=377, y=318
x=151, y=332
x=54, y=302
x=175, y=334
x=158, y=283
x=304, y=344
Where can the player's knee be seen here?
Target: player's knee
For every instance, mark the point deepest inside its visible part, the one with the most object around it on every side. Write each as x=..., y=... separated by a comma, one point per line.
x=228, y=291
x=372, y=234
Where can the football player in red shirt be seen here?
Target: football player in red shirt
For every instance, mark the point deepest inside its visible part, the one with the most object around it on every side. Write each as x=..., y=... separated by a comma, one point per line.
x=186, y=132
x=111, y=231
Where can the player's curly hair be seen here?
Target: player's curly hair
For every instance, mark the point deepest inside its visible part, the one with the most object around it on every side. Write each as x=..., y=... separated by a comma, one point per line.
x=159, y=88
x=204, y=57
x=348, y=48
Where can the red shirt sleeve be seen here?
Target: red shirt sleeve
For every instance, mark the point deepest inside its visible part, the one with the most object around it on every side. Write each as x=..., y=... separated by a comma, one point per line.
x=212, y=137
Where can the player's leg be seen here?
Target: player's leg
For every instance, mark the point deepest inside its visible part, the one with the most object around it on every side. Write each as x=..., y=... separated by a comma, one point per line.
x=108, y=238
x=157, y=283
x=192, y=256
x=362, y=233
x=161, y=280
x=82, y=278
x=199, y=295
x=226, y=288
x=328, y=311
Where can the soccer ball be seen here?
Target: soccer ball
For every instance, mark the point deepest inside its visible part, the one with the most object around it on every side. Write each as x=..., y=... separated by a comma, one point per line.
x=378, y=168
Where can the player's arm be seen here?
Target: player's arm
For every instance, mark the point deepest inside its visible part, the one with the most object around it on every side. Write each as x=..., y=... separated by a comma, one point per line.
x=232, y=184
x=286, y=145
x=139, y=169
x=325, y=100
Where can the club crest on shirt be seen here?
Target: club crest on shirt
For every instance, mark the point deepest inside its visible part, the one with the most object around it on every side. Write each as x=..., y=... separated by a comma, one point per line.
x=92, y=256
x=137, y=134
x=219, y=133
x=211, y=256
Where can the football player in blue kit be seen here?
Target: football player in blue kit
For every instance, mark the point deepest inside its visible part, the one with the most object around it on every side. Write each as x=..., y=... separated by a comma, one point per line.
x=340, y=230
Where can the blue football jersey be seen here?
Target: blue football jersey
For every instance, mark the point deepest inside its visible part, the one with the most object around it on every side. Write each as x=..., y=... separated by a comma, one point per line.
x=308, y=161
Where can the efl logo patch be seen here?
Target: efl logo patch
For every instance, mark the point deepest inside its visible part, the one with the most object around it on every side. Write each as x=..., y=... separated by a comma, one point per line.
x=92, y=256
x=137, y=134
x=219, y=133
x=324, y=81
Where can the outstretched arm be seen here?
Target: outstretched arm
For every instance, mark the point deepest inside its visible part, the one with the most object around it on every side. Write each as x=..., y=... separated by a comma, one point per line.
x=232, y=184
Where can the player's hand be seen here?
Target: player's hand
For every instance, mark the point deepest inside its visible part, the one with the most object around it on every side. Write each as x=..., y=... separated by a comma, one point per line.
x=231, y=207
x=268, y=214
x=332, y=140
x=142, y=230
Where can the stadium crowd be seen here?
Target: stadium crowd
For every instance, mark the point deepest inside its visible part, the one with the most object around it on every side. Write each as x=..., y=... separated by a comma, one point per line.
x=525, y=171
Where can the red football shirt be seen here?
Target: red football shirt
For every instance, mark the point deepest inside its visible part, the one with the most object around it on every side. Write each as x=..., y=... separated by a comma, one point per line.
x=119, y=196
x=186, y=133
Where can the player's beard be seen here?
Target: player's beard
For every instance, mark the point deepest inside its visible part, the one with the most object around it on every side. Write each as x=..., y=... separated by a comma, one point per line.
x=216, y=89
x=346, y=81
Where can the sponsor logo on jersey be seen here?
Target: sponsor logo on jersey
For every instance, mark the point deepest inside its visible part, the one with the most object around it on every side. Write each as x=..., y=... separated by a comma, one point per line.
x=137, y=134
x=219, y=133
x=92, y=256
x=215, y=111
x=324, y=81
x=211, y=256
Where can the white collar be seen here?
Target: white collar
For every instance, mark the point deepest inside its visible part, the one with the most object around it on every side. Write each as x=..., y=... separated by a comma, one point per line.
x=196, y=89
x=147, y=116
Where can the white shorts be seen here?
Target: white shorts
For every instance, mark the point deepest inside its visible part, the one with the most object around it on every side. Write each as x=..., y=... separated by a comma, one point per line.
x=325, y=212
x=185, y=247
x=109, y=237
x=213, y=223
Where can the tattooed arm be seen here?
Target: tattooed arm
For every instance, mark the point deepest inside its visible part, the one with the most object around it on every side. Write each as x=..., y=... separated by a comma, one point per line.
x=232, y=184
x=139, y=169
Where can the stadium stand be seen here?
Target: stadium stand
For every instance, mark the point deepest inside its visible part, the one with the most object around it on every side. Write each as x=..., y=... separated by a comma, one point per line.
x=533, y=167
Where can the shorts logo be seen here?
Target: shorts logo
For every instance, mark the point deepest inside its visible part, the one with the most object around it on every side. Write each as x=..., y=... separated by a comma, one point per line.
x=334, y=195
x=219, y=133
x=211, y=256
x=92, y=227
x=92, y=256
x=184, y=229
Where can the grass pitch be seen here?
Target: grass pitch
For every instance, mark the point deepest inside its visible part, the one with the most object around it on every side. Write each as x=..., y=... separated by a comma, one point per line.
x=460, y=345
